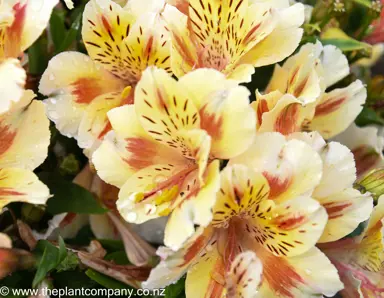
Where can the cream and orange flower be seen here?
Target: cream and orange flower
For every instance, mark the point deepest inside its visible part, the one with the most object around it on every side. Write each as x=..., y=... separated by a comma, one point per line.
x=360, y=260
x=21, y=23
x=297, y=97
x=326, y=173
x=232, y=36
x=24, y=140
x=366, y=145
x=261, y=242
x=163, y=149
x=121, y=43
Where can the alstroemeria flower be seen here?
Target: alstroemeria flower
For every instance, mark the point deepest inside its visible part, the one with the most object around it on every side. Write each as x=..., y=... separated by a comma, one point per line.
x=346, y=206
x=163, y=148
x=296, y=100
x=232, y=36
x=21, y=23
x=121, y=43
x=253, y=232
x=326, y=173
x=12, y=78
x=24, y=140
x=366, y=145
x=360, y=260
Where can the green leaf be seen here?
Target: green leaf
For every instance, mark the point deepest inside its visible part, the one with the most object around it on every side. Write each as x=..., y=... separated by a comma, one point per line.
x=50, y=257
x=71, y=34
x=368, y=116
x=38, y=56
x=69, y=263
x=118, y=257
x=73, y=279
x=62, y=250
x=338, y=38
x=176, y=290
x=105, y=281
x=366, y=3
x=57, y=28
x=83, y=237
x=112, y=245
x=69, y=197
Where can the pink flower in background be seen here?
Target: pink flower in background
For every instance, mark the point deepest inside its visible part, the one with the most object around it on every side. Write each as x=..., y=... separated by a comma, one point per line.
x=377, y=35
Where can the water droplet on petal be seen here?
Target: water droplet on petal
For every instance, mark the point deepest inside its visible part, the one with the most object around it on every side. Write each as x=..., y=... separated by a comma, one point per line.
x=51, y=77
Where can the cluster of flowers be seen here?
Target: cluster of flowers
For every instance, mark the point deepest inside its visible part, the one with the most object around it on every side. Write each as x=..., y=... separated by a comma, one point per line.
x=258, y=200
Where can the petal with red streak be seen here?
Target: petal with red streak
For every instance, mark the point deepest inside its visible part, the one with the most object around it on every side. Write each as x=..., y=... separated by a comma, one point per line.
x=337, y=109
x=244, y=276
x=308, y=275
x=224, y=111
x=19, y=185
x=25, y=134
x=130, y=149
x=192, y=207
x=72, y=81
x=174, y=265
x=291, y=167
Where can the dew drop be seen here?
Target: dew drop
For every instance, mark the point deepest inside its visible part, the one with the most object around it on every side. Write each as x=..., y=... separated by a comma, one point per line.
x=51, y=77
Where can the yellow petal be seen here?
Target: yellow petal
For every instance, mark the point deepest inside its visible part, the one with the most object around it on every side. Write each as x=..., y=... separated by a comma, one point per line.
x=12, y=77
x=308, y=275
x=224, y=111
x=290, y=228
x=149, y=193
x=370, y=252
x=184, y=55
x=284, y=39
x=94, y=124
x=148, y=43
x=124, y=42
x=244, y=276
x=192, y=208
x=206, y=278
x=130, y=149
x=25, y=134
x=175, y=264
x=138, y=7
x=30, y=19
x=300, y=76
x=164, y=108
x=72, y=81
x=289, y=115
x=105, y=26
x=291, y=167
x=19, y=185
x=241, y=190
x=346, y=210
x=337, y=109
